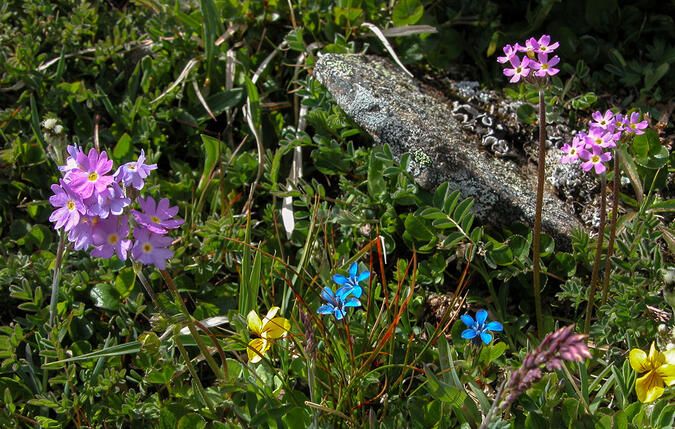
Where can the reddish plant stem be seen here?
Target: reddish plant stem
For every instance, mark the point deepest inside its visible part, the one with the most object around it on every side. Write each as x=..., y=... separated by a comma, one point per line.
x=598, y=253
x=541, y=174
x=612, y=228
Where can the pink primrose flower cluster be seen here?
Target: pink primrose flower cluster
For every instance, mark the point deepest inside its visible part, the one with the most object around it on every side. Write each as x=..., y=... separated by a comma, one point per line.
x=592, y=147
x=93, y=207
x=535, y=59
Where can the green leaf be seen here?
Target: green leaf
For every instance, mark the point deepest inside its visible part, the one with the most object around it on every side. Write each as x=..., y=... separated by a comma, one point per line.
x=442, y=391
x=563, y=265
x=347, y=16
x=419, y=234
x=212, y=27
x=497, y=350
x=167, y=419
x=620, y=420
x=218, y=103
x=191, y=421
x=527, y=114
x=535, y=421
x=124, y=282
x=376, y=184
x=35, y=121
x=653, y=76
x=120, y=349
x=519, y=246
x=663, y=206
x=105, y=296
x=648, y=150
x=584, y=101
x=499, y=253
x=122, y=149
x=211, y=148
x=546, y=245
x=407, y=12
x=604, y=422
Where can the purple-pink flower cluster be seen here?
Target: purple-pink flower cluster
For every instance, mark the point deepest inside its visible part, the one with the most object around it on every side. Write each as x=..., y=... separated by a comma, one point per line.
x=535, y=59
x=92, y=206
x=592, y=147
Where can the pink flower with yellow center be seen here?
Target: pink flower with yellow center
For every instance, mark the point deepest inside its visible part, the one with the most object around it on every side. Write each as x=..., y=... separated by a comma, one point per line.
x=90, y=176
x=634, y=126
x=603, y=121
x=545, y=65
x=572, y=150
x=69, y=206
x=595, y=160
x=519, y=69
x=544, y=45
x=110, y=236
x=157, y=218
x=151, y=248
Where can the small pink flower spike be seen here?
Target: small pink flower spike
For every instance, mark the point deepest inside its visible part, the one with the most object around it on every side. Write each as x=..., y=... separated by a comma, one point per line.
x=519, y=69
x=595, y=160
x=509, y=52
x=545, y=65
x=634, y=126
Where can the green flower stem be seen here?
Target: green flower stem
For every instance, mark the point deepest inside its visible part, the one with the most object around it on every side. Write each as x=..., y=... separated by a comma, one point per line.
x=312, y=390
x=146, y=285
x=598, y=253
x=576, y=388
x=191, y=326
x=58, y=262
x=193, y=371
x=493, y=407
x=541, y=174
x=612, y=228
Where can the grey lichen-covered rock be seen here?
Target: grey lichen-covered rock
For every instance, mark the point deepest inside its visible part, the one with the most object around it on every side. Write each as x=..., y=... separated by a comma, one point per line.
x=399, y=111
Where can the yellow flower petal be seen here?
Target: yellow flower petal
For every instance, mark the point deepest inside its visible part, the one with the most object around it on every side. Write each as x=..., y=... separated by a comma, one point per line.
x=256, y=348
x=670, y=356
x=656, y=358
x=271, y=313
x=649, y=387
x=254, y=323
x=638, y=361
x=276, y=328
x=667, y=374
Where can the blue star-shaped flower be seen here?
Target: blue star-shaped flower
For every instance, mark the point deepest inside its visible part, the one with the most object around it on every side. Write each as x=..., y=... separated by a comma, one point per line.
x=337, y=301
x=479, y=327
x=352, y=282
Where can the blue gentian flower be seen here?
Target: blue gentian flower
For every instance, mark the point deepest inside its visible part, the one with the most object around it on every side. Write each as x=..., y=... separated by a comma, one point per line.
x=352, y=282
x=479, y=327
x=337, y=301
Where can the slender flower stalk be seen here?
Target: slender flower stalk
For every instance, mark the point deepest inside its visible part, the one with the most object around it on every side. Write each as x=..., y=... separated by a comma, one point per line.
x=612, y=229
x=598, y=254
x=58, y=262
x=536, y=59
x=192, y=370
x=541, y=175
x=191, y=326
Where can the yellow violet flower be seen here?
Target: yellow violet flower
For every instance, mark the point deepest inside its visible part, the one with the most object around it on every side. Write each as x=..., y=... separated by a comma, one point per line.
x=268, y=329
x=660, y=369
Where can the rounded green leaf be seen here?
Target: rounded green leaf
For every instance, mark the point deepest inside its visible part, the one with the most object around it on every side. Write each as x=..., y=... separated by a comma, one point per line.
x=407, y=12
x=105, y=296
